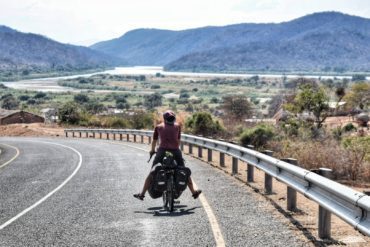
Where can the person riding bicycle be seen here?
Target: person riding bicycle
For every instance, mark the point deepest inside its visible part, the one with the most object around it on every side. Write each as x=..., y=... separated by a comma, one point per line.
x=169, y=134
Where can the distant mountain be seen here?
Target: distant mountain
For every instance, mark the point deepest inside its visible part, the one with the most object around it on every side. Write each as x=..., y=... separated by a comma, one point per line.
x=19, y=51
x=327, y=41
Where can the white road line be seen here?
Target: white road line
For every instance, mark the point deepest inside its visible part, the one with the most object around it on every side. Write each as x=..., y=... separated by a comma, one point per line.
x=217, y=234
x=12, y=159
x=52, y=192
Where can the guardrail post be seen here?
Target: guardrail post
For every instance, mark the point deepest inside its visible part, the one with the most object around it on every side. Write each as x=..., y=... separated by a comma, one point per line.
x=200, y=152
x=107, y=136
x=93, y=135
x=114, y=136
x=80, y=134
x=101, y=135
x=87, y=134
x=235, y=166
x=268, y=178
x=250, y=169
x=66, y=134
x=324, y=214
x=190, y=148
x=128, y=137
x=291, y=193
x=181, y=146
x=142, y=139
x=134, y=138
x=222, y=159
x=209, y=155
x=120, y=137
x=150, y=140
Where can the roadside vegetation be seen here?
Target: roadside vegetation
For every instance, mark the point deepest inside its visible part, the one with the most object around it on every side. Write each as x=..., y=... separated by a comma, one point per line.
x=239, y=110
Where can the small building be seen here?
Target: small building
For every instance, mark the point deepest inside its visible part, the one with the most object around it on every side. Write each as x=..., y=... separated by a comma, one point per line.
x=16, y=116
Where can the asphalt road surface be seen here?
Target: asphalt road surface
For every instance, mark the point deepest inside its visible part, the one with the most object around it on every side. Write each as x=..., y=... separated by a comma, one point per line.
x=78, y=192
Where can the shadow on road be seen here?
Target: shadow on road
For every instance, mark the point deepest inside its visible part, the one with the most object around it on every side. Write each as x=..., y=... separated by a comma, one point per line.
x=160, y=211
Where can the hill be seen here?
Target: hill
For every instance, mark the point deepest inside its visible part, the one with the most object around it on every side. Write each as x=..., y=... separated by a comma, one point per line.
x=327, y=41
x=27, y=51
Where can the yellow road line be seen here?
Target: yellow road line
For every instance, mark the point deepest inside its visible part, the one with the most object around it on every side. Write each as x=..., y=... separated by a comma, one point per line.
x=217, y=234
x=12, y=159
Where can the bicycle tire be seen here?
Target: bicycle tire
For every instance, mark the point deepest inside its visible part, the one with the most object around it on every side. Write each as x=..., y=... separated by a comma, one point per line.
x=171, y=195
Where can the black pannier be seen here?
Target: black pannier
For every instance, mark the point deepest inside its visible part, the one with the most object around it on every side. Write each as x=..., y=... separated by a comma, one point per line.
x=181, y=178
x=158, y=184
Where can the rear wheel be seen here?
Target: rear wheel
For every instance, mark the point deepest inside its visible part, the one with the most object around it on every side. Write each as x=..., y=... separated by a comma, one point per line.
x=171, y=195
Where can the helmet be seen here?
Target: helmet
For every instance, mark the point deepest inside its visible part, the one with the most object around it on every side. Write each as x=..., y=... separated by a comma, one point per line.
x=169, y=117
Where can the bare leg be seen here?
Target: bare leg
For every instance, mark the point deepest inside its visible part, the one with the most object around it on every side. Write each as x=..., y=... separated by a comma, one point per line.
x=147, y=183
x=191, y=186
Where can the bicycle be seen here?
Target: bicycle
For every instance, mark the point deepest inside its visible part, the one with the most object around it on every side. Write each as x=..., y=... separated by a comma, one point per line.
x=169, y=194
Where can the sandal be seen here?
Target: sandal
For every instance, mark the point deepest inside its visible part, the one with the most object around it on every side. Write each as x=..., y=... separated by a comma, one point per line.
x=196, y=194
x=139, y=196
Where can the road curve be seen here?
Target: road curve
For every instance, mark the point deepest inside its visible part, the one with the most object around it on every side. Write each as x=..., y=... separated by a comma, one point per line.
x=96, y=206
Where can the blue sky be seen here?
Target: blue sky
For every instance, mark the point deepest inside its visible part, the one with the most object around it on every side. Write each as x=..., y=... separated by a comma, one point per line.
x=85, y=22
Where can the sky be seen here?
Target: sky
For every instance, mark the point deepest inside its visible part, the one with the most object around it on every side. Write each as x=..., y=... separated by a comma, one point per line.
x=84, y=22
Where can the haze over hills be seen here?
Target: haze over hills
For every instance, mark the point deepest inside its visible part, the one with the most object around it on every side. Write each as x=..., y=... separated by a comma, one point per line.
x=327, y=41
x=27, y=51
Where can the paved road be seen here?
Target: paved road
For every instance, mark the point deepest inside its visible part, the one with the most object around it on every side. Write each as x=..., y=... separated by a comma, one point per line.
x=64, y=192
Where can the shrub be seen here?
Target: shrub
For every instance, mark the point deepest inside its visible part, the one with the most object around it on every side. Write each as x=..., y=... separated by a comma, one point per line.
x=257, y=136
x=69, y=113
x=202, y=123
x=349, y=127
x=40, y=95
x=337, y=133
x=115, y=122
x=81, y=98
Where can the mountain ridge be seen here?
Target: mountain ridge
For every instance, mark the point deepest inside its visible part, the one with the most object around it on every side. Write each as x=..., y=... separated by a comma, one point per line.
x=308, y=41
x=28, y=51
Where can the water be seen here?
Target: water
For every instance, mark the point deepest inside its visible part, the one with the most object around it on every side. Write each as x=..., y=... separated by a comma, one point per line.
x=51, y=84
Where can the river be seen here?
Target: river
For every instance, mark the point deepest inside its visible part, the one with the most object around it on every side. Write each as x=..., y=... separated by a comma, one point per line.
x=51, y=84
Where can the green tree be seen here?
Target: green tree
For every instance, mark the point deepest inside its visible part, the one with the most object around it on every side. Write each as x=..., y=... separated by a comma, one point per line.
x=81, y=98
x=313, y=100
x=359, y=96
x=358, y=152
x=257, y=136
x=202, y=123
x=9, y=102
x=236, y=107
x=152, y=100
x=69, y=113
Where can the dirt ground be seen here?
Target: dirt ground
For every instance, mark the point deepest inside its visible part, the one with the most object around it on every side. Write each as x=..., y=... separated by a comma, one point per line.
x=34, y=129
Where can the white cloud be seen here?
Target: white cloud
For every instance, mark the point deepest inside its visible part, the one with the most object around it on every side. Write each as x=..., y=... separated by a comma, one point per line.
x=85, y=22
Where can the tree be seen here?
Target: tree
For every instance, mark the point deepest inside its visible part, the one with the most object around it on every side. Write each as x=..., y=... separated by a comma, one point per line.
x=9, y=102
x=202, y=123
x=81, y=98
x=257, y=136
x=152, y=100
x=313, y=100
x=359, y=96
x=69, y=113
x=358, y=152
x=340, y=92
x=40, y=95
x=236, y=107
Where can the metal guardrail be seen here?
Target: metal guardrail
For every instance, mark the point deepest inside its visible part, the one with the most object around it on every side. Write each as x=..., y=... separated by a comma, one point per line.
x=350, y=205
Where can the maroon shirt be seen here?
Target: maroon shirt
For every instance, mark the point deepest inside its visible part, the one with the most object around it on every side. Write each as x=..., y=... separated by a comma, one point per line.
x=169, y=135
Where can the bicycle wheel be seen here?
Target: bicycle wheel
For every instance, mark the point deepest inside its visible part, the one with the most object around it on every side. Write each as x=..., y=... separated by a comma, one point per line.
x=171, y=195
x=165, y=199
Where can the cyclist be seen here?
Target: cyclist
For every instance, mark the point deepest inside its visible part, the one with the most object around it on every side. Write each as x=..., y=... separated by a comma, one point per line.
x=169, y=134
